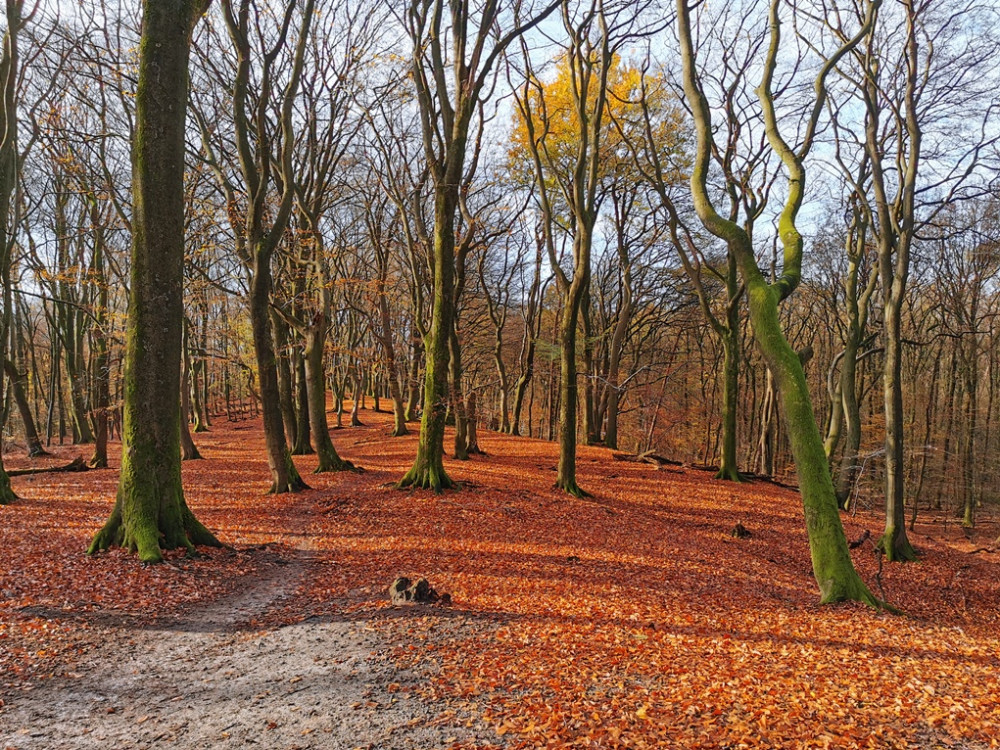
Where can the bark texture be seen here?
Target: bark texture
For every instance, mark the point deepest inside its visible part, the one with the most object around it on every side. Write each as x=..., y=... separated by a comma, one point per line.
x=150, y=513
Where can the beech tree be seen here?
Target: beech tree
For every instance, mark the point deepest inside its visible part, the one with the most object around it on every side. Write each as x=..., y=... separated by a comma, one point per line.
x=150, y=513
x=455, y=47
x=259, y=209
x=832, y=566
x=8, y=181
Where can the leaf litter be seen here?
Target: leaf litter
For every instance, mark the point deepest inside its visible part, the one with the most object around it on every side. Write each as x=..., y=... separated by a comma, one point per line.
x=629, y=619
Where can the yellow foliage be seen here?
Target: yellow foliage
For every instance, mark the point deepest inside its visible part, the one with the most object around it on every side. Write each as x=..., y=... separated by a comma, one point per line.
x=560, y=123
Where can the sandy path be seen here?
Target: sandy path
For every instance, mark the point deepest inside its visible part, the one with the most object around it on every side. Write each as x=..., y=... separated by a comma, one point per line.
x=210, y=679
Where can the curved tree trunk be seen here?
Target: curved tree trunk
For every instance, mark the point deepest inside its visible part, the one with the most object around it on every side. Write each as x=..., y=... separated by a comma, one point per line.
x=831, y=561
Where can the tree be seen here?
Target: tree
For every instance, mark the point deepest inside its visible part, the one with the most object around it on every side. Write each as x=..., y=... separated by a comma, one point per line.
x=832, y=566
x=917, y=79
x=9, y=171
x=447, y=105
x=265, y=155
x=562, y=127
x=150, y=513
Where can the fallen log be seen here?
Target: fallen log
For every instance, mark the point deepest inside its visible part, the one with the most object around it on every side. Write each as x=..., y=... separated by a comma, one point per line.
x=77, y=464
x=646, y=457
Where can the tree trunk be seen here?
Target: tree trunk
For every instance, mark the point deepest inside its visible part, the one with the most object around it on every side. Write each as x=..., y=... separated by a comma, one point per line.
x=573, y=298
x=832, y=566
x=413, y=381
x=458, y=398
x=189, y=451
x=831, y=561
x=283, y=368
x=768, y=428
x=284, y=476
x=894, y=541
x=504, y=386
x=303, y=445
x=591, y=426
x=32, y=440
x=329, y=459
x=428, y=467
x=728, y=468
x=472, y=436
x=521, y=388
x=850, y=463
x=357, y=398
x=150, y=512
x=392, y=364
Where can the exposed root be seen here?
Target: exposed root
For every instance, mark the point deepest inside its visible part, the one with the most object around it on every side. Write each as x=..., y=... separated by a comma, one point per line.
x=730, y=474
x=570, y=486
x=328, y=464
x=427, y=478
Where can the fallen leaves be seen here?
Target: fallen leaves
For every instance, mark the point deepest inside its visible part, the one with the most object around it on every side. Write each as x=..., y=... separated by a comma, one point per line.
x=632, y=619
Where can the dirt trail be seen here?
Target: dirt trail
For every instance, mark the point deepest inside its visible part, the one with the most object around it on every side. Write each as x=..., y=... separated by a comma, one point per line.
x=213, y=678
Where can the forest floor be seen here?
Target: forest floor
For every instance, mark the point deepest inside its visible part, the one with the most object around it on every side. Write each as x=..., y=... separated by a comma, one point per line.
x=629, y=619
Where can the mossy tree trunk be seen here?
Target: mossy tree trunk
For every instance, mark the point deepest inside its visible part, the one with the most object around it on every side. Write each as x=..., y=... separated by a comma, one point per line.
x=150, y=513
x=449, y=96
x=589, y=58
x=832, y=566
x=568, y=388
x=428, y=467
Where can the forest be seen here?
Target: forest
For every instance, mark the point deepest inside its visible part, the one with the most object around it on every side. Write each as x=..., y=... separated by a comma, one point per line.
x=660, y=338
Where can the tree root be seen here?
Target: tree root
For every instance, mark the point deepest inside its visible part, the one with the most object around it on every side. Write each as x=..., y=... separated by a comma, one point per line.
x=327, y=464
x=730, y=475
x=571, y=487
x=427, y=478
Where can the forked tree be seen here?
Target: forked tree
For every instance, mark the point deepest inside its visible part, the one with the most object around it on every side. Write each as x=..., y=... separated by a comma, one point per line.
x=456, y=44
x=832, y=565
x=150, y=513
x=265, y=156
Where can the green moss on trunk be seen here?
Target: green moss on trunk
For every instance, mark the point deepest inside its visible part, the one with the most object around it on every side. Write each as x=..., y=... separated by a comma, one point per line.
x=150, y=513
